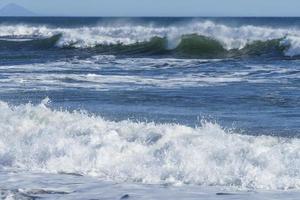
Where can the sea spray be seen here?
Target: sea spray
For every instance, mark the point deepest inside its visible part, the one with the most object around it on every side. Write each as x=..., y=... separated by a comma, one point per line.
x=229, y=37
x=38, y=138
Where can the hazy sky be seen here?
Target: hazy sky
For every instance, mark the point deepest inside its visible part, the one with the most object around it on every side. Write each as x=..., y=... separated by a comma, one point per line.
x=161, y=7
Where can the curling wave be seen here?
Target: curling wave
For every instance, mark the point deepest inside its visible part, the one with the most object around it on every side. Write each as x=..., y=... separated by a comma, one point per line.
x=42, y=139
x=195, y=39
x=28, y=43
x=190, y=46
x=196, y=46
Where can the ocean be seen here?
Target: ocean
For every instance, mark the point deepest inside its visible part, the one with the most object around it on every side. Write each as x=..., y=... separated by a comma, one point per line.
x=149, y=108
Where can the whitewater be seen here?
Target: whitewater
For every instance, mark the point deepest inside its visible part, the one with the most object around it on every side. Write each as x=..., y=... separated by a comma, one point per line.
x=40, y=139
x=149, y=108
x=126, y=33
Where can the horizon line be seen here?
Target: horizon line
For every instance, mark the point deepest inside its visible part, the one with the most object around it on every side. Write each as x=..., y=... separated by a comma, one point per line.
x=151, y=16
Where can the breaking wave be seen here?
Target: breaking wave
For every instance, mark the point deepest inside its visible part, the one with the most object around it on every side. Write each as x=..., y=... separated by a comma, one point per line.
x=195, y=39
x=24, y=43
x=37, y=138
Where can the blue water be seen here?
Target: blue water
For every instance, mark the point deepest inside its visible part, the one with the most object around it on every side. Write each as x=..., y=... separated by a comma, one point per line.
x=92, y=83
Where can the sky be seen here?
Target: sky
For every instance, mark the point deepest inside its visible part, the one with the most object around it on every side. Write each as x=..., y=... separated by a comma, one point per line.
x=161, y=7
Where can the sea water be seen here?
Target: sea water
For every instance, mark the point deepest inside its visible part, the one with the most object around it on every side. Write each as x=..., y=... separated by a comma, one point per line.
x=149, y=108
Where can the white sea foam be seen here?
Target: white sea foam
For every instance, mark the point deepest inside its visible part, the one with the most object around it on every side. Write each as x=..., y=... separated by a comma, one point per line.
x=294, y=45
x=110, y=73
x=37, y=138
x=231, y=37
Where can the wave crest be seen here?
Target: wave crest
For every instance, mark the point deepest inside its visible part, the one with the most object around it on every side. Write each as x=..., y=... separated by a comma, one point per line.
x=230, y=38
x=38, y=138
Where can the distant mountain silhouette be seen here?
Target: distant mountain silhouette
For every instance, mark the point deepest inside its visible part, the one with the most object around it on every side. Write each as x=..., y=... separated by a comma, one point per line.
x=15, y=10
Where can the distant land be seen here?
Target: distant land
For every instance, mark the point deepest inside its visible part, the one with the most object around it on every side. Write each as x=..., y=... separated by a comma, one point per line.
x=13, y=9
